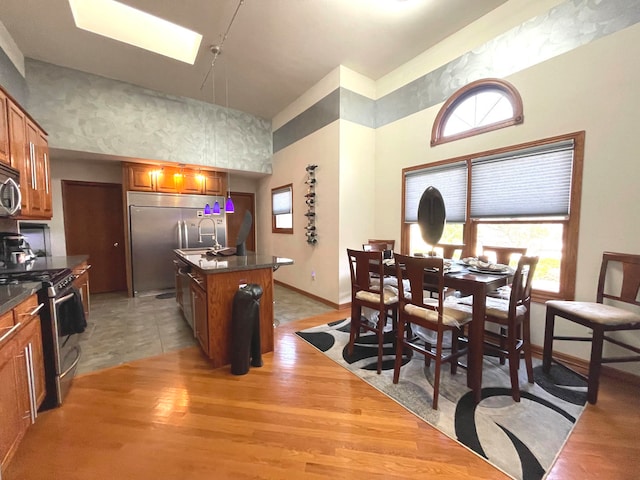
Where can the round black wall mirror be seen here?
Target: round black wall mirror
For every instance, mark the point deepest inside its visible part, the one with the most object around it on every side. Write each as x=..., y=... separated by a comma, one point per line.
x=431, y=215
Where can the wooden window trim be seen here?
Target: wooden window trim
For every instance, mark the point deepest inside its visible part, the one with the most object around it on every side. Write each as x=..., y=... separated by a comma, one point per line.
x=470, y=90
x=572, y=223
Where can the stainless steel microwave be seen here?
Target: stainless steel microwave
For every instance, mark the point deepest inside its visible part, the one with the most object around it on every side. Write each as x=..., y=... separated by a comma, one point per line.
x=10, y=197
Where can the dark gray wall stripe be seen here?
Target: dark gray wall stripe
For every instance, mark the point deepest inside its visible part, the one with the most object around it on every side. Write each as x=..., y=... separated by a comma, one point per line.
x=357, y=108
x=314, y=118
x=11, y=80
x=563, y=28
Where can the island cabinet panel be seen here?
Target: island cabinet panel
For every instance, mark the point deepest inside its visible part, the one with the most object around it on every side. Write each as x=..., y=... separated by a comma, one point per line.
x=221, y=289
x=11, y=416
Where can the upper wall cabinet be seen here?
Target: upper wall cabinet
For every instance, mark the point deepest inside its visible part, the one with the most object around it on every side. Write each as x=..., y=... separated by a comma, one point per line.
x=153, y=178
x=4, y=130
x=28, y=152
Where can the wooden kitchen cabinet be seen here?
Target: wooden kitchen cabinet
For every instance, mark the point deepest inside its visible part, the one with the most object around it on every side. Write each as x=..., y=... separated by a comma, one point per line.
x=200, y=318
x=21, y=375
x=4, y=129
x=82, y=284
x=29, y=154
x=153, y=178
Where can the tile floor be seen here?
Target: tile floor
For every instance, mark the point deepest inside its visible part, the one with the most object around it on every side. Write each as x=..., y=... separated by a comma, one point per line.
x=122, y=329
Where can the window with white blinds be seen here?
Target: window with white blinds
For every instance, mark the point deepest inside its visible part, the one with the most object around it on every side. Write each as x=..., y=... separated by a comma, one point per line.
x=533, y=182
x=451, y=182
x=281, y=200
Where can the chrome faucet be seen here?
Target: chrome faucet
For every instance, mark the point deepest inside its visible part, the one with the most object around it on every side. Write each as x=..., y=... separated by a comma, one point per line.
x=214, y=235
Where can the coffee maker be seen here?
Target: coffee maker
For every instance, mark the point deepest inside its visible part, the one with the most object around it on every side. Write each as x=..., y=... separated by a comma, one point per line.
x=14, y=248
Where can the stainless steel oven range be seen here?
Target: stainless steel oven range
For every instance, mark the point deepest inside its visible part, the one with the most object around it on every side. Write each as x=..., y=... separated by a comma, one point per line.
x=62, y=319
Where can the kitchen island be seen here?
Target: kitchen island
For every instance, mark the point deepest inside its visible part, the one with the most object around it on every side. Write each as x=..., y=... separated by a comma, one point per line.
x=214, y=280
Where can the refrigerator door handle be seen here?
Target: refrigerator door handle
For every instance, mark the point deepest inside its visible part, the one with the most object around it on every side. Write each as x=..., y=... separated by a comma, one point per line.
x=180, y=242
x=186, y=234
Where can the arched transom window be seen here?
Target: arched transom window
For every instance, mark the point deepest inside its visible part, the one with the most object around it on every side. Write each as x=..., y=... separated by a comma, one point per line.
x=479, y=107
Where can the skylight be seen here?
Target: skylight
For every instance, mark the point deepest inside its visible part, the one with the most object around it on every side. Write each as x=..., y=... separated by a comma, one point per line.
x=129, y=25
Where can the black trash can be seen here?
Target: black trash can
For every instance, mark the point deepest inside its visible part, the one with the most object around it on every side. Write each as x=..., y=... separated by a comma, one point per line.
x=245, y=329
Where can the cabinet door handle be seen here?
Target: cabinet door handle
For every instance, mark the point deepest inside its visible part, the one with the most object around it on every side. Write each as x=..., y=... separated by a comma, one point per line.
x=32, y=383
x=11, y=330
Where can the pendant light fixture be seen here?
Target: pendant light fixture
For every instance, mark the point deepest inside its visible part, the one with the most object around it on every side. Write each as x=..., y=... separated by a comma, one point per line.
x=216, y=50
x=229, y=207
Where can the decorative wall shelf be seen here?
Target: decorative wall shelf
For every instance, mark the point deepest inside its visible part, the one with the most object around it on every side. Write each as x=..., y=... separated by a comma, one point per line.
x=312, y=232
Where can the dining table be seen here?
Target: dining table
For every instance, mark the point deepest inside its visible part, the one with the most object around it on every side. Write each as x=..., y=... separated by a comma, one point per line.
x=465, y=279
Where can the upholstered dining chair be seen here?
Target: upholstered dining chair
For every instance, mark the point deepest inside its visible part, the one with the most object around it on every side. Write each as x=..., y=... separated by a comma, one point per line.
x=513, y=339
x=418, y=309
x=367, y=290
x=502, y=255
x=619, y=285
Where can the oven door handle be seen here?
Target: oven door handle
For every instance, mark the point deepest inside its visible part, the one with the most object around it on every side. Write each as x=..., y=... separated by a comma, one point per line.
x=58, y=301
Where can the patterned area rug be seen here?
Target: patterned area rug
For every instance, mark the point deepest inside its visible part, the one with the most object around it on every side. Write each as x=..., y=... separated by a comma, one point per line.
x=521, y=439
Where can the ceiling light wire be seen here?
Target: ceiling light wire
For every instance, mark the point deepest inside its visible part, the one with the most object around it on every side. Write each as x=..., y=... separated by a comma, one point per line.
x=217, y=49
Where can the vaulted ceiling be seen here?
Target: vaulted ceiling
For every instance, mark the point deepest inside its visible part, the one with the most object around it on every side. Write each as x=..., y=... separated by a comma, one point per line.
x=274, y=52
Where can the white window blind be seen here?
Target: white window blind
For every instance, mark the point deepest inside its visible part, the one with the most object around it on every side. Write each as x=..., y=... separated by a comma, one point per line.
x=533, y=182
x=450, y=180
x=281, y=201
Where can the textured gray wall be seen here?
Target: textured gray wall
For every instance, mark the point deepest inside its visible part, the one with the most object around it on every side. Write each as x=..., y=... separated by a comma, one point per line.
x=11, y=80
x=89, y=113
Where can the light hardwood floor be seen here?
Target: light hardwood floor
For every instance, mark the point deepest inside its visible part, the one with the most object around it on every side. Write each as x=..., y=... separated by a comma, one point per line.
x=300, y=416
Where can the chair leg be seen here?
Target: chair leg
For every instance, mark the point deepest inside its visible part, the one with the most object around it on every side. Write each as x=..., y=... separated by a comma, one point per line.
x=381, y=323
x=514, y=362
x=595, y=363
x=454, y=350
x=355, y=327
x=526, y=348
x=400, y=333
x=436, y=374
x=547, y=351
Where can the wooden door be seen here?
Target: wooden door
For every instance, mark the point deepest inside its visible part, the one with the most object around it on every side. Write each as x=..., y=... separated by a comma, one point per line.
x=94, y=226
x=242, y=202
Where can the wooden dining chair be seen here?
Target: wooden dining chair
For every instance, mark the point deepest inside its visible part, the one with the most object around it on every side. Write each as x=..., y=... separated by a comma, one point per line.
x=619, y=285
x=374, y=247
x=367, y=290
x=448, y=249
x=418, y=308
x=502, y=255
x=391, y=244
x=513, y=339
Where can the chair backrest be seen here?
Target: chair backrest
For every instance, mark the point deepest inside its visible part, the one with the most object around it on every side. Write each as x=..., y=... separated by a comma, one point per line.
x=629, y=285
x=503, y=254
x=361, y=265
x=391, y=244
x=374, y=247
x=448, y=249
x=521, y=286
x=423, y=273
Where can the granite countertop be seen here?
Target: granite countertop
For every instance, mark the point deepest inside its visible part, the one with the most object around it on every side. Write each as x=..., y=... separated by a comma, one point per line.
x=45, y=263
x=219, y=264
x=13, y=295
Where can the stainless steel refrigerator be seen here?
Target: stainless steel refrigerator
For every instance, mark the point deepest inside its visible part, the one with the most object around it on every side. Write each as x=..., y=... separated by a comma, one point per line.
x=160, y=223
